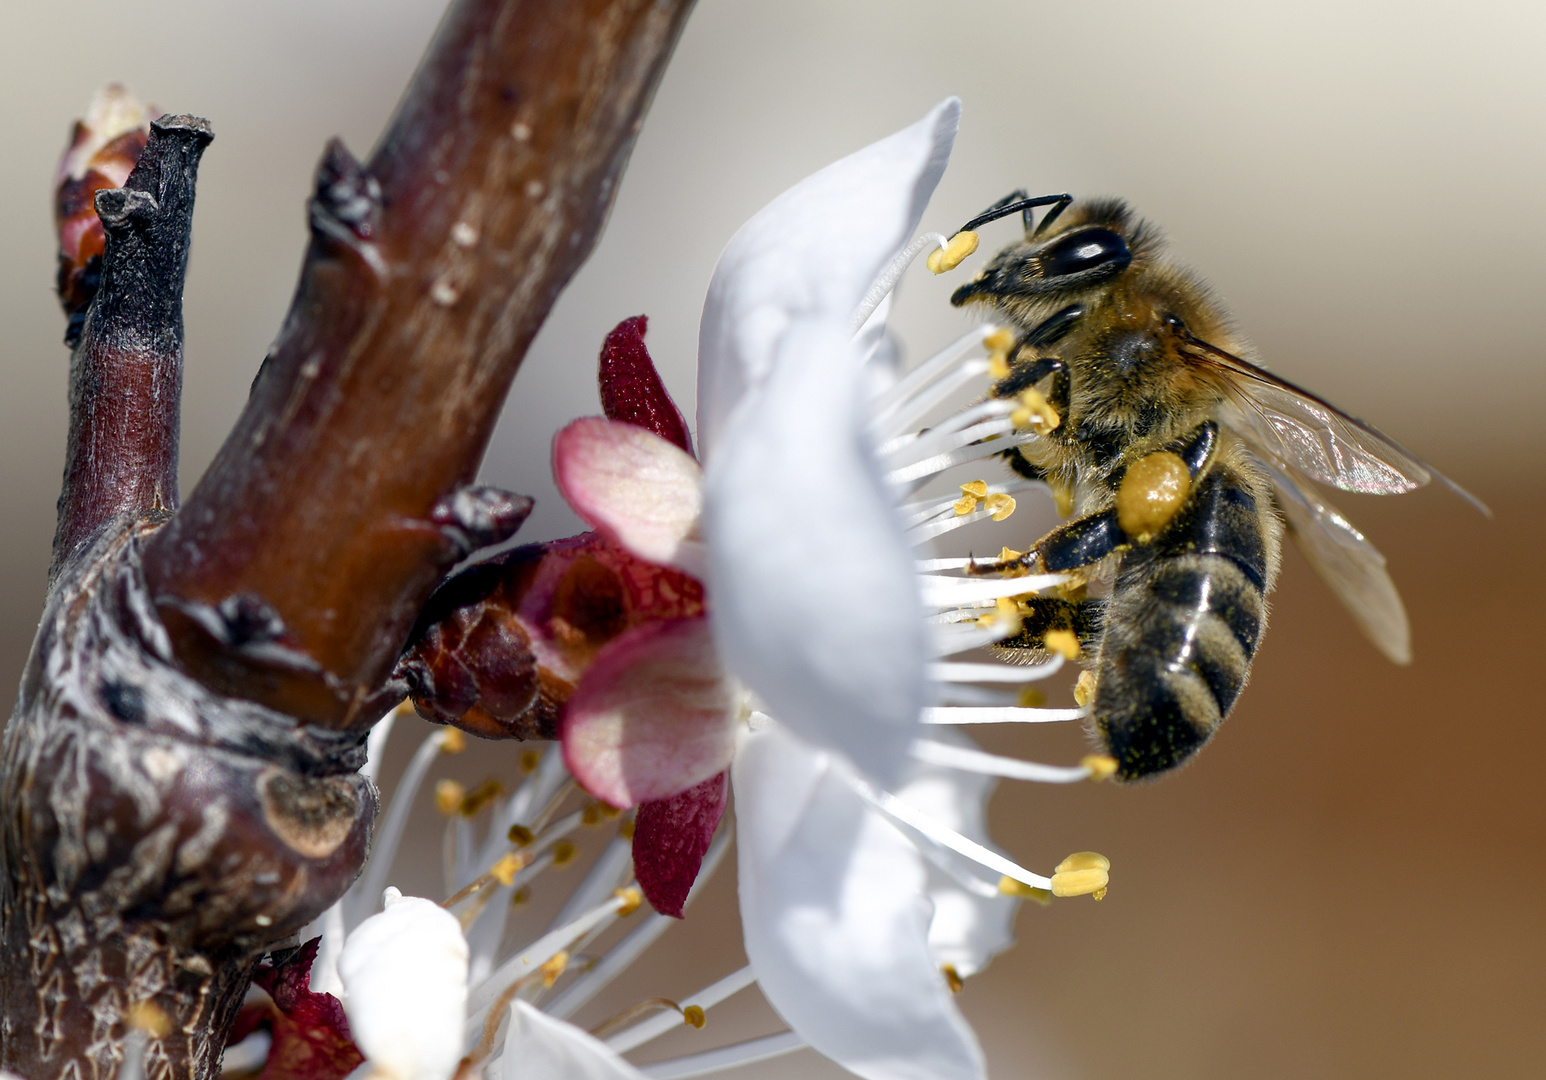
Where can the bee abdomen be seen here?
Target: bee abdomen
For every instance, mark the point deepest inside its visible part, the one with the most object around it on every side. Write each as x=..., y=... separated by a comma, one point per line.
x=1182, y=627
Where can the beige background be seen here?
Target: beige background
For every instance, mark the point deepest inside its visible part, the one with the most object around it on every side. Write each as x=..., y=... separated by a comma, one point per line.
x=1349, y=881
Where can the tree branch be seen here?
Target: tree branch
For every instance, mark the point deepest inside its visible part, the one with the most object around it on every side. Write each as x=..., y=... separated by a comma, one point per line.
x=327, y=517
x=126, y=372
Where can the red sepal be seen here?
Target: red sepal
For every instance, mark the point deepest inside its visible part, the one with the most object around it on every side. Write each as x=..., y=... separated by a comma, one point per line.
x=310, y=1031
x=631, y=390
x=670, y=838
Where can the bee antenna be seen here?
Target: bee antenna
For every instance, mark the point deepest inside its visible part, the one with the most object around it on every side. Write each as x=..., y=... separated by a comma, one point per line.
x=1017, y=202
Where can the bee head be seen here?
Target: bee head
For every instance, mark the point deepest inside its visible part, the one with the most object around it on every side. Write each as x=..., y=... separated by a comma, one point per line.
x=1092, y=245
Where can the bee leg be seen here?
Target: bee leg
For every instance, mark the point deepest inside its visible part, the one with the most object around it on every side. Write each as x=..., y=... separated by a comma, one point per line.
x=1153, y=489
x=1040, y=616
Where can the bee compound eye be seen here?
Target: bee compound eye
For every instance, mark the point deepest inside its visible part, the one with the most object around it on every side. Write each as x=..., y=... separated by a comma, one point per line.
x=1081, y=251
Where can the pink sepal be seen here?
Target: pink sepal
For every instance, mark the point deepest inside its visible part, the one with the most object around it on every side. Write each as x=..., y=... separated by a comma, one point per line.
x=652, y=716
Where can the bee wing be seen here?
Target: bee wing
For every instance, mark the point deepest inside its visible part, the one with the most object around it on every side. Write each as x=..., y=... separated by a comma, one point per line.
x=1292, y=426
x=1347, y=562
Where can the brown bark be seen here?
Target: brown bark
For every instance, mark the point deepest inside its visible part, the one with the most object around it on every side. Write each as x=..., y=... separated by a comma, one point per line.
x=429, y=272
x=178, y=789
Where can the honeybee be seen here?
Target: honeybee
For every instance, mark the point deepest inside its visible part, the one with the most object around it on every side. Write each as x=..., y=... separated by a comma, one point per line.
x=1184, y=460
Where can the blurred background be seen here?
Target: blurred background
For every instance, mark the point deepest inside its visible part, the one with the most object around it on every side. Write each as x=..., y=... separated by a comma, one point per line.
x=1348, y=882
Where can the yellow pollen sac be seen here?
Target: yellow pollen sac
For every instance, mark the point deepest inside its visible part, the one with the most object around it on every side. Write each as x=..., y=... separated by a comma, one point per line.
x=965, y=505
x=1101, y=766
x=1031, y=698
x=1004, y=610
x=591, y=815
x=961, y=245
x=452, y=741
x=1153, y=489
x=554, y=968
x=1008, y=554
x=998, y=366
x=1035, y=413
x=149, y=1018
x=1084, y=689
x=1062, y=642
x=952, y=978
x=625, y=830
x=1063, y=498
x=520, y=835
x=520, y=896
x=693, y=1016
x=1000, y=506
x=1008, y=886
x=631, y=898
x=1082, y=873
x=479, y=797
x=563, y=853
x=530, y=759
x=505, y=869
x=979, y=488
x=1000, y=341
x=448, y=796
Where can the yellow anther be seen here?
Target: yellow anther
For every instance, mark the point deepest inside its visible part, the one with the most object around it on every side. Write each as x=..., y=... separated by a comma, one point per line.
x=965, y=505
x=998, y=366
x=505, y=869
x=952, y=978
x=151, y=1019
x=961, y=245
x=452, y=741
x=1000, y=506
x=1101, y=766
x=608, y=811
x=1000, y=341
x=1081, y=874
x=530, y=759
x=625, y=830
x=1035, y=413
x=694, y=1017
x=1008, y=886
x=631, y=898
x=591, y=815
x=448, y=796
x=563, y=853
x=1008, y=554
x=520, y=896
x=554, y=968
x=520, y=835
x=1099, y=894
x=1084, y=689
x=1062, y=498
x=1062, y=642
x=1153, y=490
x=1031, y=698
x=1005, y=610
x=479, y=797
x=979, y=488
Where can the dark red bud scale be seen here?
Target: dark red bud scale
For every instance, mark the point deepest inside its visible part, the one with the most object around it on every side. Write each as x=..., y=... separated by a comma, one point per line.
x=631, y=390
x=670, y=838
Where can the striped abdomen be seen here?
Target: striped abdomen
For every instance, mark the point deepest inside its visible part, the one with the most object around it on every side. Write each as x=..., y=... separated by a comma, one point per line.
x=1184, y=619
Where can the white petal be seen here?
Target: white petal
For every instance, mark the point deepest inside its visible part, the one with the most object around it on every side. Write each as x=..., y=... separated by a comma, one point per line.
x=815, y=602
x=404, y=975
x=812, y=253
x=538, y=1047
x=836, y=922
x=968, y=930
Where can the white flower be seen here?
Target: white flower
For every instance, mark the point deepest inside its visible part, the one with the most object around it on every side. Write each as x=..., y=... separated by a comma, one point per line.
x=818, y=609
x=404, y=975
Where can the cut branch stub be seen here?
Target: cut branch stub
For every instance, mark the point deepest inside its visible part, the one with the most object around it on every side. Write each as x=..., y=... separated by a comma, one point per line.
x=126, y=371
x=429, y=272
